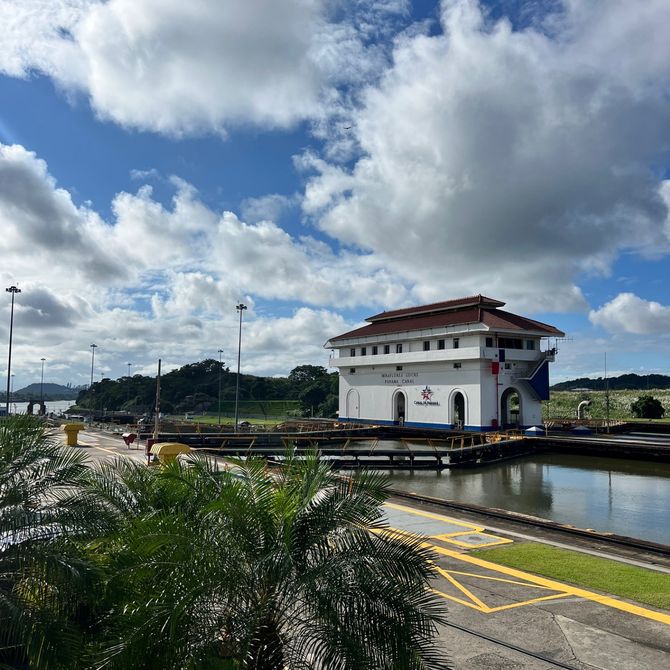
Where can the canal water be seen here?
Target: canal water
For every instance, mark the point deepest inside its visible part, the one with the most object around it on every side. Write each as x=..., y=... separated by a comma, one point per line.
x=625, y=497
x=55, y=406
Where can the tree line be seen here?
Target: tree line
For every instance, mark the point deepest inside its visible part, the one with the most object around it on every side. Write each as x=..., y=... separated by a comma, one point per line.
x=195, y=388
x=627, y=382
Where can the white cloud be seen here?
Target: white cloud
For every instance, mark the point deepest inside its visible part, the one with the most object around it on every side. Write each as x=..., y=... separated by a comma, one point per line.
x=42, y=228
x=190, y=67
x=628, y=313
x=510, y=162
x=266, y=208
x=162, y=280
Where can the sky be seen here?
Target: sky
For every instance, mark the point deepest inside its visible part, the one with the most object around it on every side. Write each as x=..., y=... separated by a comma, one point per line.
x=323, y=160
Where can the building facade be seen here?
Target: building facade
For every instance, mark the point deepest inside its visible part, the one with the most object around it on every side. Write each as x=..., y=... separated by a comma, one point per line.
x=460, y=364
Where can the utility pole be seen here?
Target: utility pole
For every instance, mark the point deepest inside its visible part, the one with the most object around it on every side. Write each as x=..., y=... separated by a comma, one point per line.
x=93, y=348
x=240, y=308
x=13, y=290
x=220, y=353
x=128, y=398
x=42, y=383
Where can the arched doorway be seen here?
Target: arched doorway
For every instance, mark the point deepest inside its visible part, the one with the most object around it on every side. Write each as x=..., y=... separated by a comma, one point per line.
x=458, y=410
x=353, y=404
x=399, y=408
x=510, y=408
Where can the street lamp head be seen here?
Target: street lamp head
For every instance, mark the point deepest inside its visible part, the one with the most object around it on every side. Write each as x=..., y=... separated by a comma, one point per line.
x=93, y=346
x=240, y=307
x=13, y=289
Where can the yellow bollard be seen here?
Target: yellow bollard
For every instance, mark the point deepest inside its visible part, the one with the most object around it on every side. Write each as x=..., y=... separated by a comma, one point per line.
x=168, y=451
x=71, y=432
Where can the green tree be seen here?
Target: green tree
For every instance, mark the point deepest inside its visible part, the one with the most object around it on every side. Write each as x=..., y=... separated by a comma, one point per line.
x=43, y=578
x=249, y=569
x=304, y=374
x=647, y=407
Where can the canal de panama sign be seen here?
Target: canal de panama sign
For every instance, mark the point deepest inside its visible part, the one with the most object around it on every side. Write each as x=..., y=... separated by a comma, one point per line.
x=399, y=377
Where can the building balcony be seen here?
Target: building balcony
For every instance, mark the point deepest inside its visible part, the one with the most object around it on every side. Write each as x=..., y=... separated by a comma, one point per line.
x=438, y=356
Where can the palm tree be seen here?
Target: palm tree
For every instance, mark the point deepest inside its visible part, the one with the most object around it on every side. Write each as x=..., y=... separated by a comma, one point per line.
x=43, y=578
x=244, y=568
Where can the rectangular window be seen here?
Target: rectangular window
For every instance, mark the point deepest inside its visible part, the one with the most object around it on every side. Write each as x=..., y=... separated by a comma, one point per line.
x=398, y=348
x=364, y=351
x=352, y=371
x=530, y=344
x=352, y=352
x=375, y=351
x=457, y=343
x=440, y=344
x=398, y=368
x=457, y=366
x=387, y=348
x=489, y=341
x=510, y=343
x=426, y=345
x=508, y=366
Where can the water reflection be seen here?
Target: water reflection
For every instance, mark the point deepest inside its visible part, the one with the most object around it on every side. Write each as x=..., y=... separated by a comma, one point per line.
x=621, y=496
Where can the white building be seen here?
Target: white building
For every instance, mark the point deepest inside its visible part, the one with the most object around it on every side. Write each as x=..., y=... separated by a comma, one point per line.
x=457, y=364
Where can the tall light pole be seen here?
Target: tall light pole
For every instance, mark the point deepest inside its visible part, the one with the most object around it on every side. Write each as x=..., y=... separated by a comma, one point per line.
x=240, y=308
x=13, y=290
x=42, y=382
x=220, y=352
x=11, y=392
x=93, y=348
x=128, y=398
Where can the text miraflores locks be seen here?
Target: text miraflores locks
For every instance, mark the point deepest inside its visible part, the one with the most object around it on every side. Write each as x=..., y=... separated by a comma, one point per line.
x=399, y=377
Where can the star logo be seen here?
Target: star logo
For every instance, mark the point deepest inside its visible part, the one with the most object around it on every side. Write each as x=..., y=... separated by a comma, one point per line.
x=426, y=393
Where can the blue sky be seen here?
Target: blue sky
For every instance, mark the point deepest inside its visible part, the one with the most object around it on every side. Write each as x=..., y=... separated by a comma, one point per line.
x=321, y=160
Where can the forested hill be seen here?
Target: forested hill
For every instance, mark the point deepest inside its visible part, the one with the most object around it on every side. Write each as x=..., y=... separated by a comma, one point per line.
x=195, y=388
x=630, y=382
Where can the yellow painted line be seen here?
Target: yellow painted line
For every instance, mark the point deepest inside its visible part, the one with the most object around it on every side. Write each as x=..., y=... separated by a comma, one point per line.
x=464, y=590
x=469, y=545
x=607, y=601
x=499, y=579
x=435, y=517
x=457, y=600
x=483, y=607
x=555, y=596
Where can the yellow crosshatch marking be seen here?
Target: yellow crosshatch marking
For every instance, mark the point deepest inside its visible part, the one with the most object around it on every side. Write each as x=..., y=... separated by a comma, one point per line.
x=528, y=580
x=476, y=603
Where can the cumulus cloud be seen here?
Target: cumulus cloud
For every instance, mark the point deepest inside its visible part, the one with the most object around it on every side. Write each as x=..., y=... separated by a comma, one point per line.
x=191, y=67
x=628, y=313
x=161, y=280
x=510, y=161
x=39, y=221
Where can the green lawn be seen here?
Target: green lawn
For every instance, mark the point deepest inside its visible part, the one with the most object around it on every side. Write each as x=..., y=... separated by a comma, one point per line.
x=619, y=579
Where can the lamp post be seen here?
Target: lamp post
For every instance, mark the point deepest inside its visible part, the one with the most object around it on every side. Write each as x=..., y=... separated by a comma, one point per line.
x=240, y=308
x=42, y=382
x=128, y=398
x=13, y=290
x=11, y=391
x=220, y=352
x=93, y=348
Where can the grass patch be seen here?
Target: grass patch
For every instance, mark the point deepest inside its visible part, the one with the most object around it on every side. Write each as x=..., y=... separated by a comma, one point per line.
x=563, y=404
x=619, y=579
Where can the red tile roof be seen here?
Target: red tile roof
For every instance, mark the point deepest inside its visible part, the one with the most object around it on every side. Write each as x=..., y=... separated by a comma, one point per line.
x=459, y=303
x=477, y=309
